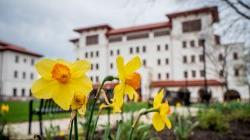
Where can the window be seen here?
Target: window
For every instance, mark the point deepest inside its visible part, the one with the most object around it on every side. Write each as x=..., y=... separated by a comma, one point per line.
x=184, y=59
x=15, y=74
x=91, y=54
x=201, y=58
x=185, y=73
x=159, y=76
x=220, y=57
x=159, y=61
x=166, y=47
x=192, y=43
x=23, y=92
x=221, y=73
x=86, y=55
x=184, y=44
x=202, y=73
x=158, y=47
x=201, y=42
x=24, y=60
x=91, y=67
x=137, y=49
x=236, y=72
x=96, y=66
x=77, y=58
x=111, y=65
x=92, y=40
x=32, y=62
x=144, y=49
x=193, y=73
x=97, y=79
x=191, y=26
x=161, y=33
x=137, y=36
x=14, y=92
x=31, y=76
x=111, y=52
x=235, y=56
x=16, y=59
x=131, y=50
x=118, y=52
x=97, y=54
x=91, y=78
x=144, y=62
x=167, y=75
x=115, y=39
x=192, y=58
x=24, y=75
x=166, y=61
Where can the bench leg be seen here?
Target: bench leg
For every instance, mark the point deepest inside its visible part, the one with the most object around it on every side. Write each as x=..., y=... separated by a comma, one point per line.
x=40, y=124
x=30, y=123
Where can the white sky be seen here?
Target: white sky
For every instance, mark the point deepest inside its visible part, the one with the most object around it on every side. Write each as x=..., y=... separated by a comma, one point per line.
x=45, y=26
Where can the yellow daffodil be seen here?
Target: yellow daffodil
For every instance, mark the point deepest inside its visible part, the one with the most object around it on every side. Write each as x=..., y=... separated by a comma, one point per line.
x=178, y=104
x=130, y=81
x=60, y=80
x=160, y=118
x=79, y=102
x=4, y=108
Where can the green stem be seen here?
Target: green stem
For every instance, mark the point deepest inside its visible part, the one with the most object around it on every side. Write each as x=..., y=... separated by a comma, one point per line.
x=137, y=120
x=76, y=129
x=108, y=78
x=70, y=131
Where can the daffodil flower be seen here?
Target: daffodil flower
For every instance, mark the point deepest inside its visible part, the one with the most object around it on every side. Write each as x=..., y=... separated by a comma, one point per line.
x=130, y=81
x=60, y=80
x=160, y=118
x=4, y=108
x=79, y=102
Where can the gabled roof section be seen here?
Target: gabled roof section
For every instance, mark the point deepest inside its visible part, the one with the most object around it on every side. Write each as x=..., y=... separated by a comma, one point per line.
x=85, y=29
x=213, y=10
x=4, y=46
x=139, y=28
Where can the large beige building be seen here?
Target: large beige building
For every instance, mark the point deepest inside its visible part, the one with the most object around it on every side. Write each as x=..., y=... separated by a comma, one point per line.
x=17, y=71
x=171, y=52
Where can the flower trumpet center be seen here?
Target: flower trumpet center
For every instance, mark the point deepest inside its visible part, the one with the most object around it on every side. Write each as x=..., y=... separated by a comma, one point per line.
x=78, y=101
x=61, y=73
x=134, y=80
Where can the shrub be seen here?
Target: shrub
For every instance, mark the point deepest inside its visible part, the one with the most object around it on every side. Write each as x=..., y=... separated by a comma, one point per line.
x=213, y=119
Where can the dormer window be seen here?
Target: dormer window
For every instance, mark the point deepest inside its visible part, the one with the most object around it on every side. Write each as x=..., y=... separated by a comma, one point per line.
x=191, y=26
x=92, y=40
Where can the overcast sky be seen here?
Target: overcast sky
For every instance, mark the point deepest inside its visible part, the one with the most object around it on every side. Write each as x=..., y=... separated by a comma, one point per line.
x=45, y=26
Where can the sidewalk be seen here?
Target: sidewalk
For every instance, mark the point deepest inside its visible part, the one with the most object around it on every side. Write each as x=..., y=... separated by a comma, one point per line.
x=21, y=129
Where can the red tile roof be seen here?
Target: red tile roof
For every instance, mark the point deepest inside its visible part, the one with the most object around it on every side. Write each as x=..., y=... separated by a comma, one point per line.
x=212, y=10
x=4, y=46
x=139, y=28
x=102, y=26
x=184, y=83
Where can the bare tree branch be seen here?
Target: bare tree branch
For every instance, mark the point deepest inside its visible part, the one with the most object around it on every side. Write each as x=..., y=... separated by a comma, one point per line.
x=236, y=9
x=244, y=4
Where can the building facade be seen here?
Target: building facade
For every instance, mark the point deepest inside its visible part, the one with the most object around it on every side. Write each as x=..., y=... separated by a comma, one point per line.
x=172, y=52
x=17, y=71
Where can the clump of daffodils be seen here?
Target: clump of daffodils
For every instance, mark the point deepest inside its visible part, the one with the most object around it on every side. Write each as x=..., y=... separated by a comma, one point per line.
x=4, y=108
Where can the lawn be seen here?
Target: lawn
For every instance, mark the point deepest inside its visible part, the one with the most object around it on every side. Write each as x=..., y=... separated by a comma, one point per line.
x=19, y=111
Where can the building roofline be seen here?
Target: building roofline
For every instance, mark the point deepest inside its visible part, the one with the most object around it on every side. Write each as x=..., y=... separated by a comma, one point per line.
x=95, y=27
x=5, y=46
x=74, y=40
x=213, y=10
x=184, y=83
x=138, y=28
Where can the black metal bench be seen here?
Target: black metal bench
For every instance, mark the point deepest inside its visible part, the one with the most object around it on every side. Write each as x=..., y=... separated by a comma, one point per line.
x=45, y=107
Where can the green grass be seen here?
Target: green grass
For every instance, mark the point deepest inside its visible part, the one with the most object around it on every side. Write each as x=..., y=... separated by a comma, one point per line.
x=19, y=111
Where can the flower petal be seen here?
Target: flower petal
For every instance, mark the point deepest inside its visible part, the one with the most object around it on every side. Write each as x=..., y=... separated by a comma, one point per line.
x=120, y=67
x=158, y=99
x=158, y=123
x=63, y=95
x=164, y=109
x=133, y=65
x=82, y=110
x=168, y=123
x=130, y=91
x=118, y=97
x=82, y=84
x=79, y=68
x=42, y=88
x=44, y=68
